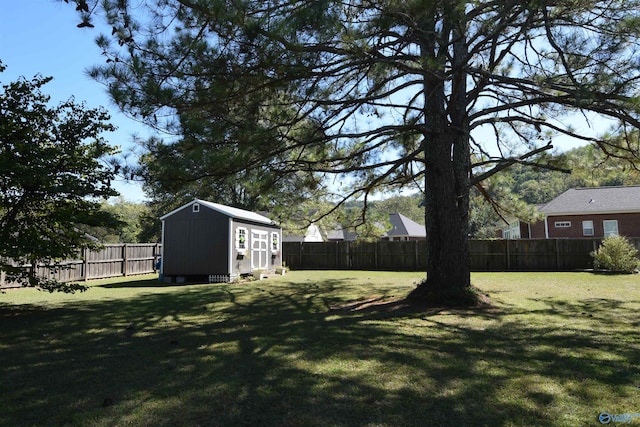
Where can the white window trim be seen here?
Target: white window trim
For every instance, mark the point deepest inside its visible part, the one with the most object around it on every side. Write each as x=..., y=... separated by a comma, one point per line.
x=242, y=247
x=562, y=224
x=276, y=247
x=512, y=232
x=195, y=208
x=587, y=228
x=611, y=232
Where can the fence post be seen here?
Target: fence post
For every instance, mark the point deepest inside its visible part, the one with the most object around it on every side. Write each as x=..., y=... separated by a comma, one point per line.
x=156, y=255
x=124, y=260
x=301, y=252
x=375, y=255
x=85, y=264
x=508, y=256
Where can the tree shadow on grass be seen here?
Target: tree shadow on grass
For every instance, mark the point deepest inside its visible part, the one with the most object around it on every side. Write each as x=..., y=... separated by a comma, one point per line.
x=137, y=283
x=297, y=354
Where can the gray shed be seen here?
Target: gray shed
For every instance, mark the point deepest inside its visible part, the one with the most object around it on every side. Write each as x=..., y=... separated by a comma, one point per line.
x=217, y=243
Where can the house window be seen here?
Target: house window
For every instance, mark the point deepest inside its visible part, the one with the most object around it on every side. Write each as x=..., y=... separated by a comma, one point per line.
x=241, y=239
x=587, y=228
x=563, y=224
x=275, y=242
x=513, y=230
x=610, y=227
x=195, y=208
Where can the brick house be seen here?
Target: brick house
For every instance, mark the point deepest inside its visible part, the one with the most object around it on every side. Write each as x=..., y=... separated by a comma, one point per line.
x=585, y=213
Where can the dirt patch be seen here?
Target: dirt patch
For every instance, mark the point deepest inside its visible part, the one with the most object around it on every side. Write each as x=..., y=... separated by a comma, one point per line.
x=371, y=302
x=400, y=304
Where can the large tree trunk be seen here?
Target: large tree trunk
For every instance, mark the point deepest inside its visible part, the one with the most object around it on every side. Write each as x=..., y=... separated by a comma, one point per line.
x=447, y=169
x=446, y=218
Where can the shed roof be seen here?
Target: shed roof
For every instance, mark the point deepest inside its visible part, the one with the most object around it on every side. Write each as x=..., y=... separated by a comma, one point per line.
x=403, y=226
x=597, y=200
x=226, y=210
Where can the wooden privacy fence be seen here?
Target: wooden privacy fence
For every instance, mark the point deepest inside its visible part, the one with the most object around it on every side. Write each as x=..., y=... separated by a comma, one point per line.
x=125, y=259
x=485, y=255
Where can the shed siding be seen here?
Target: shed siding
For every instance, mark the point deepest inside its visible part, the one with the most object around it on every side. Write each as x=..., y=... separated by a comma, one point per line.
x=196, y=243
x=242, y=263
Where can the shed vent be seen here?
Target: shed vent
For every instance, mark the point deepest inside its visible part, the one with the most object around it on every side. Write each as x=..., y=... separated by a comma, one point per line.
x=196, y=208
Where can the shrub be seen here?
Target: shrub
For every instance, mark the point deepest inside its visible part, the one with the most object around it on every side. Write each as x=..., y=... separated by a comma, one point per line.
x=617, y=254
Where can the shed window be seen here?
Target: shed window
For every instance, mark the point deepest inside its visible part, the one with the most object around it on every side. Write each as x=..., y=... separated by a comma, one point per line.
x=195, y=208
x=610, y=227
x=587, y=228
x=563, y=224
x=275, y=242
x=241, y=239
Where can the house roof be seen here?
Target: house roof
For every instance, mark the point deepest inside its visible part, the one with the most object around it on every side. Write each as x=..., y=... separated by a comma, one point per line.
x=226, y=210
x=313, y=233
x=598, y=200
x=341, y=234
x=403, y=226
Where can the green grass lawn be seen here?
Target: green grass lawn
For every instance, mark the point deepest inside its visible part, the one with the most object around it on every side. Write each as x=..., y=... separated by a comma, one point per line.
x=322, y=349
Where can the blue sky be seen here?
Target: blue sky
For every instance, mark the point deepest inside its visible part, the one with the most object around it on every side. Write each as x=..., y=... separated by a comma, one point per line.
x=41, y=37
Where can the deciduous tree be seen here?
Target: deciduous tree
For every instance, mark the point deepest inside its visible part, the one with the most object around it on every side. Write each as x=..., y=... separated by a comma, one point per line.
x=54, y=173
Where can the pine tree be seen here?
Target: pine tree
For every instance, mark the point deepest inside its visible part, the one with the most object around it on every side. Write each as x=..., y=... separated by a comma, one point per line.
x=390, y=93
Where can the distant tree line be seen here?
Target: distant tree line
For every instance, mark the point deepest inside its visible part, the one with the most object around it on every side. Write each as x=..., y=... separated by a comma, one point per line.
x=516, y=191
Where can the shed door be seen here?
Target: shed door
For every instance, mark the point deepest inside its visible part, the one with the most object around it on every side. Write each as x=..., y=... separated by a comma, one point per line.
x=259, y=249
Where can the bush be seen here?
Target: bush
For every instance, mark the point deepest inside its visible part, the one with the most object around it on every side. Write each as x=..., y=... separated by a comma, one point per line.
x=616, y=254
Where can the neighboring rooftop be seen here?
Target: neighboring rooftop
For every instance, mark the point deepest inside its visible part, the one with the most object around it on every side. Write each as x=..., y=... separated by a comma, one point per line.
x=341, y=235
x=594, y=201
x=403, y=226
